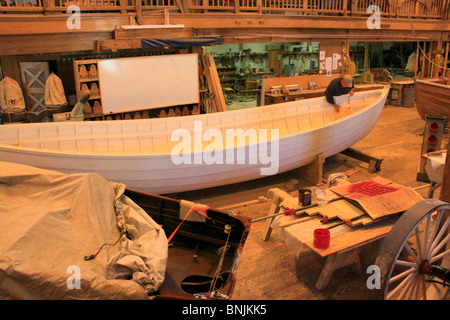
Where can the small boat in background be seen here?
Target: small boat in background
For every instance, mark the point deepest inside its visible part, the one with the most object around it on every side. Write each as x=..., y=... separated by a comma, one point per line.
x=144, y=155
x=432, y=97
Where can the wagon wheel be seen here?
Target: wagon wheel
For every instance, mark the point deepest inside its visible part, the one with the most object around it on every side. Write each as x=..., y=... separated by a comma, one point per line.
x=418, y=243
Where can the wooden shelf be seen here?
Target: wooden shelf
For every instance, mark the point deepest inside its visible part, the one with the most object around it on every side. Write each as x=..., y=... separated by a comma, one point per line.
x=226, y=76
x=85, y=75
x=89, y=80
x=299, y=53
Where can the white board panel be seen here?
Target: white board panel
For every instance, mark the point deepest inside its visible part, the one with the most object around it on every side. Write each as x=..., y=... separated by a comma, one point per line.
x=138, y=83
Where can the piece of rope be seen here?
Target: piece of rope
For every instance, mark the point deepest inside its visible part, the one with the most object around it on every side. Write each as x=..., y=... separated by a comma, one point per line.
x=222, y=257
x=418, y=43
x=199, y=211
x=92, y=256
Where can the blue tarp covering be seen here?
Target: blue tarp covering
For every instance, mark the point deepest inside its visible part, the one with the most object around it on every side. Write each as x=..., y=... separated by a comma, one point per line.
x=181, y=42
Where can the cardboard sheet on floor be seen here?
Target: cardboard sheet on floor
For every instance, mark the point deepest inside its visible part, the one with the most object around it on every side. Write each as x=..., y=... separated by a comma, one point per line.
x=51, y=221
x=379, y=197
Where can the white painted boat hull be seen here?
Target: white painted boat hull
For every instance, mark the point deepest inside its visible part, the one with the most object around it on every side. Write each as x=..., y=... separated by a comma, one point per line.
x=117, y=149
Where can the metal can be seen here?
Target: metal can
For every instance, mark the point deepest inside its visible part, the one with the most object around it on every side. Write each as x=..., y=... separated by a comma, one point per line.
x=304, y=197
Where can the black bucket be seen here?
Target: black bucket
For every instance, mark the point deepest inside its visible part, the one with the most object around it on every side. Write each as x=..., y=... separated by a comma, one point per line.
x=304, y=197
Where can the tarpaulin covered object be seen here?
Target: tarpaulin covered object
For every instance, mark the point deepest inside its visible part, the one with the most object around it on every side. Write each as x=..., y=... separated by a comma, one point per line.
x=51, y=221
x=11, y=96
x=54, y=91
x=181, y=42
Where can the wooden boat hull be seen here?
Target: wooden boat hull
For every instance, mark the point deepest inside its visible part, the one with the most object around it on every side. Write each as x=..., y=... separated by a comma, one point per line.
x=304, y=132
x=432, y=98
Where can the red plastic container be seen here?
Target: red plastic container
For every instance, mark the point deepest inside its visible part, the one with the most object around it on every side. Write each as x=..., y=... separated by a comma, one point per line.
x=321, y=238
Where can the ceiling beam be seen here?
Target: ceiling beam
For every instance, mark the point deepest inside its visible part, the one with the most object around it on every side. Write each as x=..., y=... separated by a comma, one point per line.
x=29, y=34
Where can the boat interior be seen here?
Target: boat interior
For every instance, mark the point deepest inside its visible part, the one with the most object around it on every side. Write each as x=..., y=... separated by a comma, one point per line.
x=202, y=256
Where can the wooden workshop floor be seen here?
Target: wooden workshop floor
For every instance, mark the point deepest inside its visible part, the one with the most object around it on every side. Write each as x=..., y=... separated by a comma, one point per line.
x=268, y=270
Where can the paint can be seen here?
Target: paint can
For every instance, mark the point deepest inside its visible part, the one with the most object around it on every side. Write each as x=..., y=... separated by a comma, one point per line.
x=321, y=238
x=304, y=197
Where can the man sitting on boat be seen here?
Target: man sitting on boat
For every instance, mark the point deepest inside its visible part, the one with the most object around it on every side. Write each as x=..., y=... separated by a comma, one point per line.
x=339, y=87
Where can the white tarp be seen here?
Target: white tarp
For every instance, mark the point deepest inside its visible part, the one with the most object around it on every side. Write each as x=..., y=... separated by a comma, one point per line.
x=435, y=166
x=11, y=96
x=54, y=91
x=50, y=221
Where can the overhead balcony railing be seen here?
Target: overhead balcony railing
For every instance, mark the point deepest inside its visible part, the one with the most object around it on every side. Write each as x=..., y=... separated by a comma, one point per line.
x=19, y=6
x=417, y=9
x=436, y=9
x=272, y=6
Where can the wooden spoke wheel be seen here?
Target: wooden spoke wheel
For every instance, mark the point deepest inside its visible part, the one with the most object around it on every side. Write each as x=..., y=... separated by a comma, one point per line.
x=417, y=246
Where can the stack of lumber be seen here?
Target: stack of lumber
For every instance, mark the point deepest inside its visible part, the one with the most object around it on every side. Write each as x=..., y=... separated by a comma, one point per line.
x=218, y=103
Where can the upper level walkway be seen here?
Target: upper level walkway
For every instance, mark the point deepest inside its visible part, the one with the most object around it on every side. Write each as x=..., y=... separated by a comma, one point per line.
x=39, y=26
x=416, y=9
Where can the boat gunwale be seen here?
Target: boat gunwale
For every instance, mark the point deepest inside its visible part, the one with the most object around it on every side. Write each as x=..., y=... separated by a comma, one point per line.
x=435, y=84
x=23, y=149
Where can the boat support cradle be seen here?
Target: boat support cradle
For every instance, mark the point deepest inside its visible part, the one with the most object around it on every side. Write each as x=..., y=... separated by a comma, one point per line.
x=374, y=163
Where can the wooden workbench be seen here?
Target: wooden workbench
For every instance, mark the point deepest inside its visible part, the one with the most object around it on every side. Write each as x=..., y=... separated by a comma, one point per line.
x=397, y=86
x=310, y=93
x=292, y=96
x=346, y=243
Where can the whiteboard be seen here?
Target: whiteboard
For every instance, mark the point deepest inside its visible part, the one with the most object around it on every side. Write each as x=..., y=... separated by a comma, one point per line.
x=129, y=84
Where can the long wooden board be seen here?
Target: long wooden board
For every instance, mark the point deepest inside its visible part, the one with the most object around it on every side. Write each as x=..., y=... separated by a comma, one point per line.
x=213, y=82
x=355, y=237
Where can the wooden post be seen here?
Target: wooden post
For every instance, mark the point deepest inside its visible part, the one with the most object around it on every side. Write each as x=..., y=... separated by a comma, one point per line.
x=445, y=186
x=424, y=53
x=262, y=93
x=46, y=4
x=166, y=16
x=366, y=56
x=260, y=6
x=445, y=71
x=313, y=171
x=345, y=5
x=417, y=59
x=180, y=5
x=123, y=6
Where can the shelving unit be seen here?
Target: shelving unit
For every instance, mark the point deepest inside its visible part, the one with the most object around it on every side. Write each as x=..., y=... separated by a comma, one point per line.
x=227, y=76
x=86, y=76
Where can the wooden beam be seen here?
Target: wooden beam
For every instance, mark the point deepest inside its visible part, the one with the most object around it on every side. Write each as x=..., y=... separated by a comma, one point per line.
x=48, y=43
x=94, y=22
x=43, y=34
x=445, y=71
x=445, y=186
x=120, y=34
x=115, y=45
